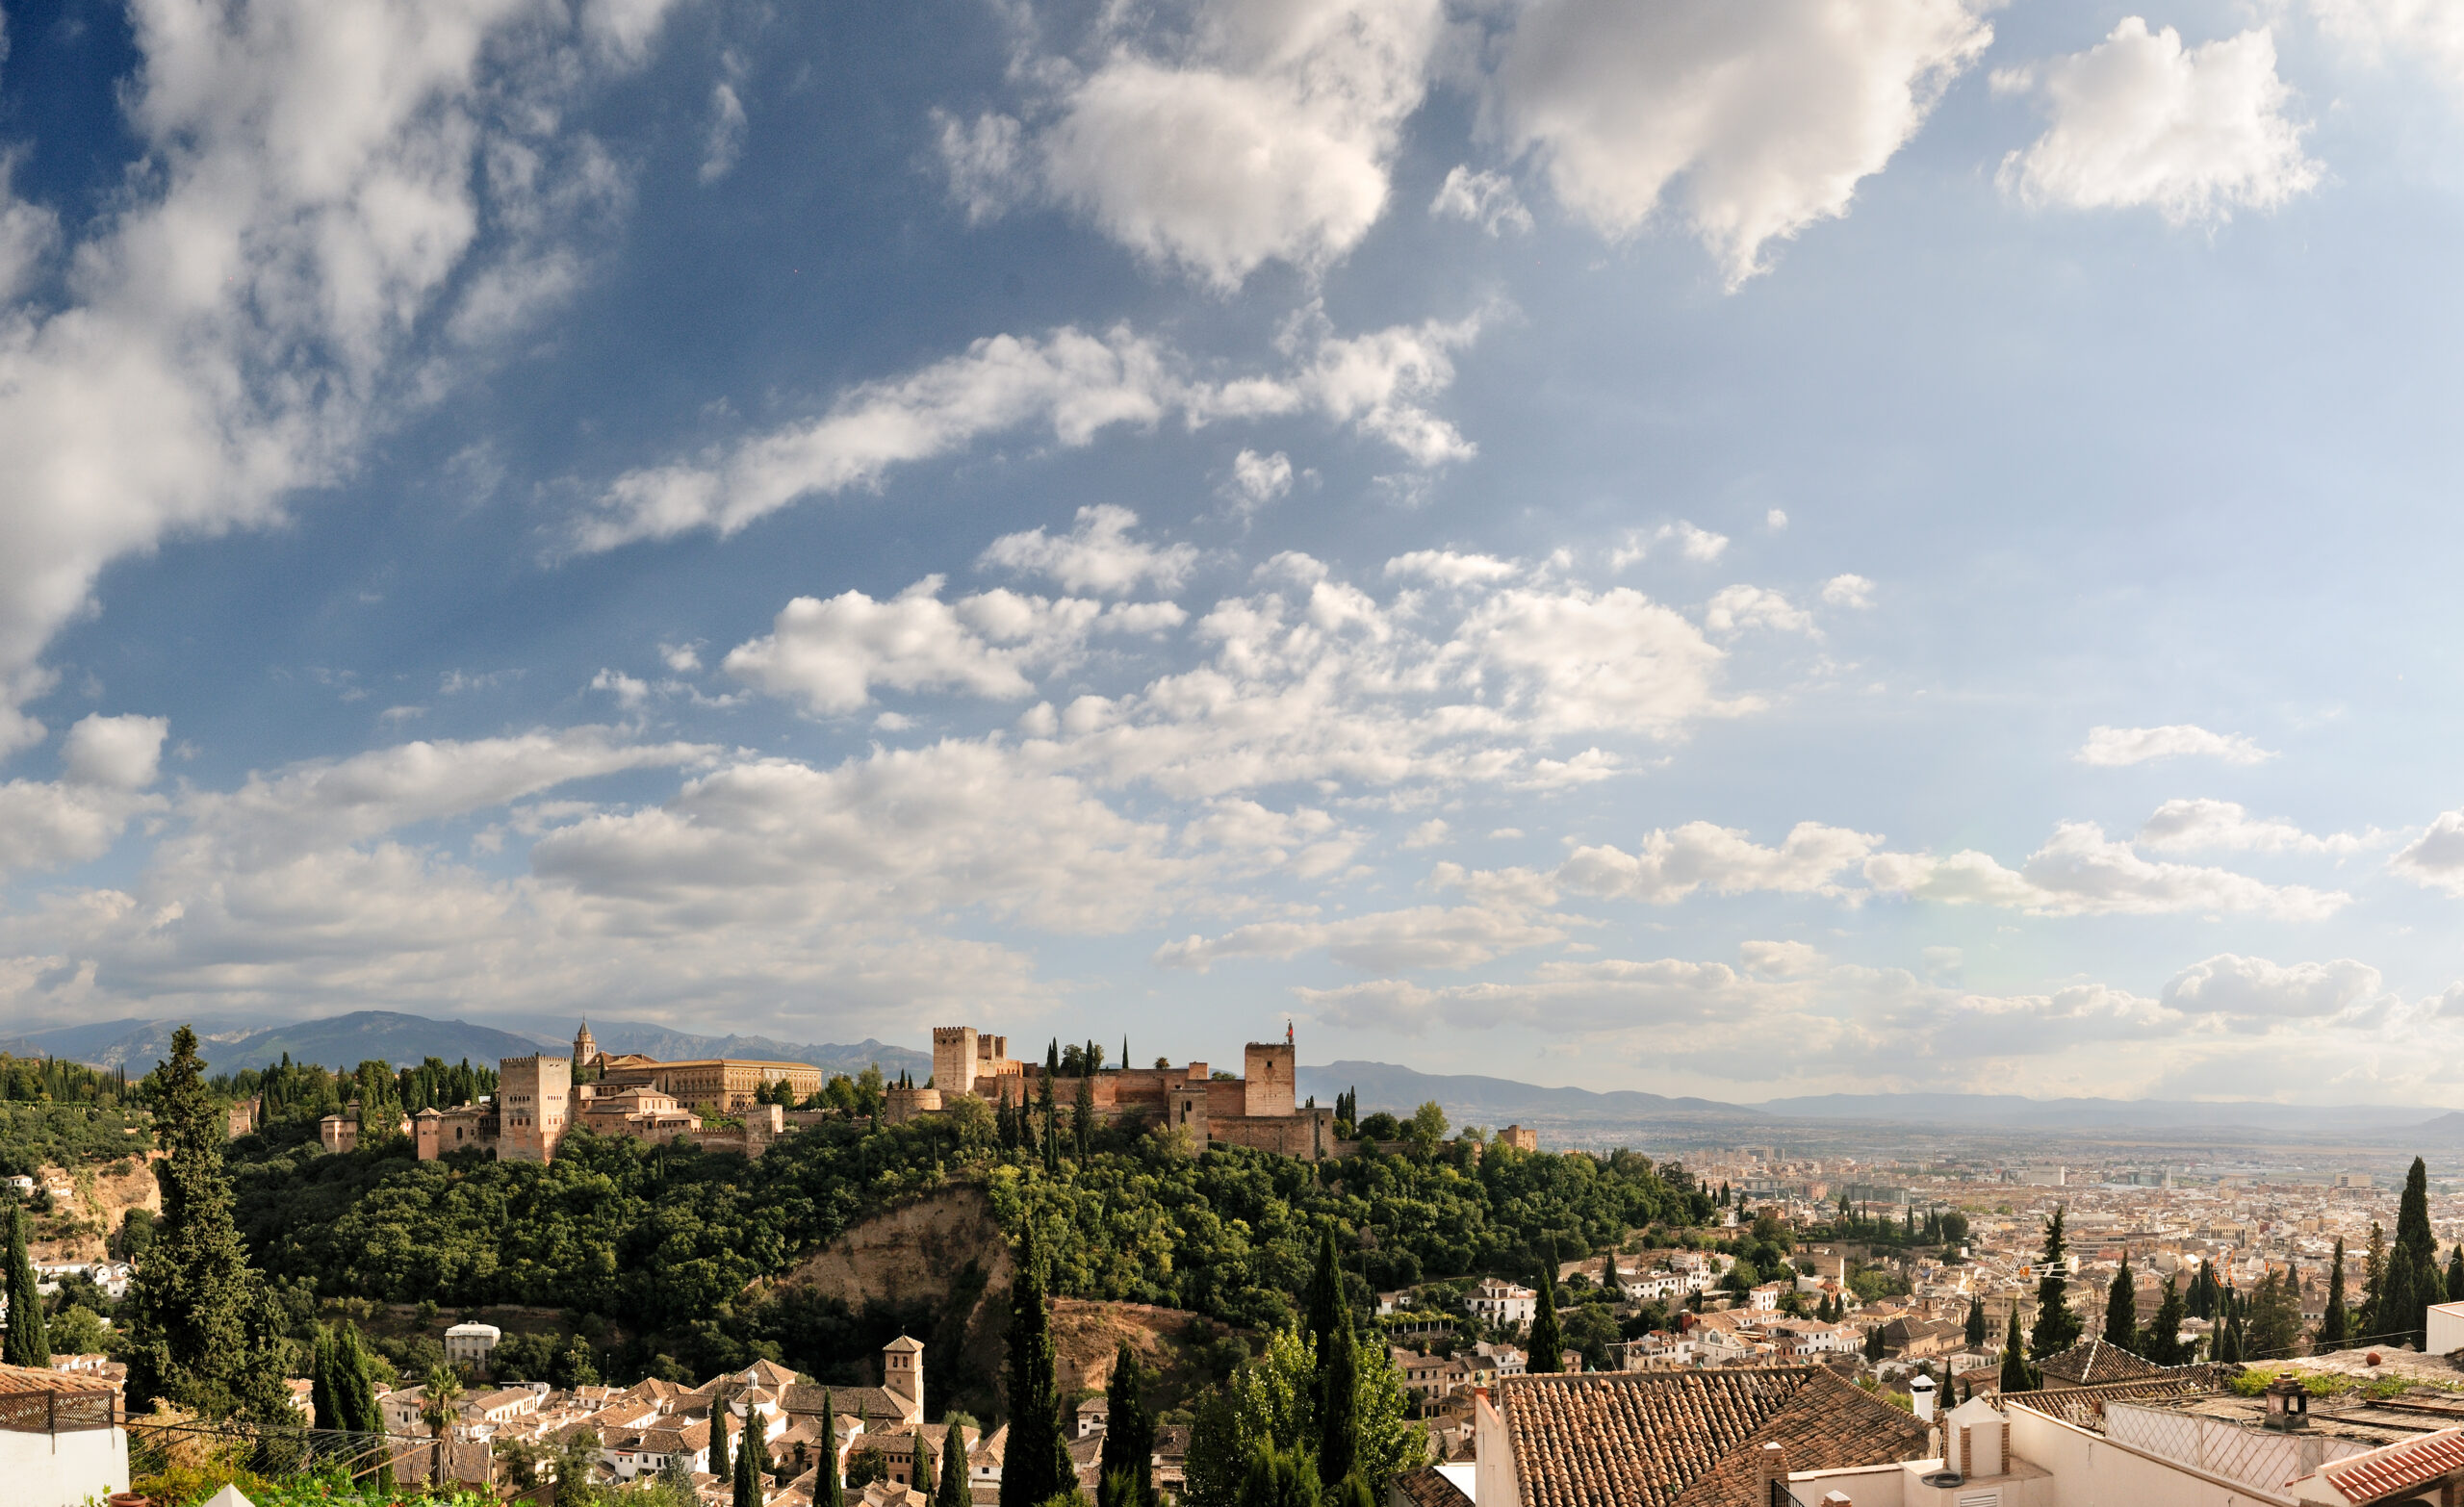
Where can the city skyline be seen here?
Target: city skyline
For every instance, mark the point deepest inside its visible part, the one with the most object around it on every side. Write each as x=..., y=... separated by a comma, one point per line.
x=1742, y=559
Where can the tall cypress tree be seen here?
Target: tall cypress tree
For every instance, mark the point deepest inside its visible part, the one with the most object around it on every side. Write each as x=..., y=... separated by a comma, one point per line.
x=2456, y=1275
x=748, y=1463
x=325, y=1411
x=2373, y=1283
x=1974, y=1330
x=1051, y=1110
x=1125, y=1476
x=2335, y=1325
x=2413, y=1233
x=26, y=1345
x=1548, y=1344
x=2057, y=1327
x=951, y=1490
x=920, y=1468
x=1082, y=1114
x=833, y=1490
x=1339, y=1404
x=202, y=1329
x=721, y=1465
x=1036, y=1464
x=2402, y=1315
x=354, y=1384
x=2162, y=1339
x=1325, y=1297
x=2121, y=1310
x=2018, y=1376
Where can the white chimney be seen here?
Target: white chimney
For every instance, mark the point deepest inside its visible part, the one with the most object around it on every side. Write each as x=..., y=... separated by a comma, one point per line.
x=1920, y=1391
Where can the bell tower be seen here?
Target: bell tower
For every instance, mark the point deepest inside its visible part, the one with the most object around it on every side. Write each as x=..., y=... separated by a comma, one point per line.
x=585, y=1049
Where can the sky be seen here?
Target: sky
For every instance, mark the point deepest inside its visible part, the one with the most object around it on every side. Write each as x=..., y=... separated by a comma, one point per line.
x=1720, y=547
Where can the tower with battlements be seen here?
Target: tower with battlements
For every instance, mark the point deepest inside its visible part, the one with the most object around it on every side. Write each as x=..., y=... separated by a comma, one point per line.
x=534, y=1107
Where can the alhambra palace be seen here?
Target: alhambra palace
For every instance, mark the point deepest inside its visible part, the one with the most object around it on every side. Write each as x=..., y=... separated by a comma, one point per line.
x=539, y=1100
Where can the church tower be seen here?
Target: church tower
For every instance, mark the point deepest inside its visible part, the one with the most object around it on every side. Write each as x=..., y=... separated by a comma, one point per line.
x=585, y=1049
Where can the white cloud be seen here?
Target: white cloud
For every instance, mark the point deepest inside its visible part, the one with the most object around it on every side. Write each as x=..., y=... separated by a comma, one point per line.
x=114, y=753
x=2426, y=32
x=1758, y=116
x=1775, y=521
x=317, y=186
x=828, y=656
x=1097, y=555
x=1295, y=110
x=1671, y=865
x=2436, y=857
x=1448, y=568
x=1734, y=608
x=1848, y=591
x=1504, y=916
x=983, y=159
x=2140, y=120
x=2202, y=824
x=1781, y=960
x=630, y=691
x=2254, y=987
x=1259, y=479
x=725, y=142
x=1486, y=199
x=2079, y=871
x=2115, y=747
x=1073, y=384
x=107, y=763
x=1431, y=834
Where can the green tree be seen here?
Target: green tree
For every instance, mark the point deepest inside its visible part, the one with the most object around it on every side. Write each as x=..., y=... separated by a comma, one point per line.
x=1338, y=1405
x=440, y=1406
x=26, y=1345
x=1125, y=1477
x=1425, y=1129
x=2057, y=1327
x=1974, y=1330
x=2121, y=1309
x=2335, y=1325
x=919, y=1470
x=1547, y=1345
x=2402, y=1315
x=575, y=1458
x=2413, y=1233
x=2456, y=1274
x=2018, y=1376
x=721, y=1463
x=2272, y=1327
x=951, y=1487
x=2374, y=1285
x=748, y=1463
x=1037, y=1461
x=832, y=1489
x=1279, y=1477
x=202, y=1330
x=2162, y=1339
x=1082, y=1114
x=1326, y=1297
x=1875, y=1348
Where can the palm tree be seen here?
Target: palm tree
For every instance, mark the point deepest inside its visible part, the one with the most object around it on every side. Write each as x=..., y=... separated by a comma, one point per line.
x=439, y=1410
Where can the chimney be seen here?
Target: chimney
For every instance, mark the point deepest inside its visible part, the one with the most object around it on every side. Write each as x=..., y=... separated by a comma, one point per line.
x=1920, y=1391
x=1775, y=1470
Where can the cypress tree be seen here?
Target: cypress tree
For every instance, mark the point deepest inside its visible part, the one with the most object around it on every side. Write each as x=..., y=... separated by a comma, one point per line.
x=1875, y=1348
x=2335, y=1326
x=354, y=1385
x=2057, y=1327
x=326, y=1412
x=921, y=1468
x=1082, y=1115
x=2018, y=1376
x=1339, y=1405
x=1974, y=1332
x=951, y=1490
x=1045, y=1102
x=1326, y=1297
x=748, y=1465
x=2374, y=1284
x=2400, y=1311
x=833, y=1490
x=1036, y=1464
x=721, y=1465
x=202, y=1329
x=2121, y=1310
x=26, y=1345
x=1547, y=1345
x=2413, y=1234
x=1124, y=1477
x=2161, y=1341
x=2456, y=1274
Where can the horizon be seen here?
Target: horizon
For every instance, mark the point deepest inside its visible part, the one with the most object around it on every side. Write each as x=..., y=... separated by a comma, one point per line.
x=1741, y=561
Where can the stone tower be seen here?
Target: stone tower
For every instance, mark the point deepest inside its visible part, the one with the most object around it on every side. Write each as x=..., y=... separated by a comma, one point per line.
x=903, y=1376
x=1266, y=1069
x=585, y=1049
x=534, y=1098
x=955, y=1058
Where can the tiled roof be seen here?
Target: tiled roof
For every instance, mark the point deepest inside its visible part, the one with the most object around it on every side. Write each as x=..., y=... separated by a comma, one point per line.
x=34, y=1378
x=1426, y=1488
x=879, y=1408
x=2085, y=1406
x=2383, y=1472
x=2091, y=1360
x=1690, y=1438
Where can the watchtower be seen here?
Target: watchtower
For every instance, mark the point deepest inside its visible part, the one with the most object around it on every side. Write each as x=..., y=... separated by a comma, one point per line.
x=586, y=1050
x=1266, y=1069
x=955, y=1059
x=534, y=1098
x=903, y=1375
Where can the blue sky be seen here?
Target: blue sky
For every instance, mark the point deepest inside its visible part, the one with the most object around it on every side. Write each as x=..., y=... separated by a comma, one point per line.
x=1726, y=548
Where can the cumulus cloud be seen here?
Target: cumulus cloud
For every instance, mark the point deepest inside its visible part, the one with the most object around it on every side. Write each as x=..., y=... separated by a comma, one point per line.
x=1097, y=556
x=1486, y=199
x=1734, y=609
x=1258, y=480
x=2428, y=32
x=1758, y=117
x=2115, y=747
x=2201, y=825
x=2436, y=857
x=2140, y=121
x=1294, y=108
x=1848, y=591
x=2080, y=871
x=1069, y=383
x=724, y=141
x=829, y=655
x=316, y=186
x=1448, y=568
x=1504, y=915
x=1673, y=864
x=2254, y=987
x=107, y=765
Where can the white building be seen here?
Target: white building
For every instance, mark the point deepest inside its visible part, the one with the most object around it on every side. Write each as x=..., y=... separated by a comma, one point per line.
x=471, y=1344
x=1503, y=1303
x=60, y=1444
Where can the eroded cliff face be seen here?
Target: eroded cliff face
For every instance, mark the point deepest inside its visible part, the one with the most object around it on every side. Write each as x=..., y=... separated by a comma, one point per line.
x=919, y=1251
x=80, y=1226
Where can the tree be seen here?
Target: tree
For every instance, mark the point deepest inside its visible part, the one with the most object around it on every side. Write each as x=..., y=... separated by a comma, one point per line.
x=919, y=1470
x=1326, y=1296
x=2018, y=1376
x=1036, y=1464
x=834, y=1491
x=1125, y=1477
x=951, y=1490
x=2335, y=1325
x=2374, y=1285
x=1426, y=1128
x=1339, y=1405
x=2121, y=1310
x=2413, y=1233
x=723, y=1464
x=1973, y=1332
x=2272, y=1327
x=439, y=1407
x=2161, y=1341
x=1082, y=1115
x=575, y=1459
x=1279, y=1477
x=747, y=1461
x=202, y=1330
x=26, y=1345
x=2456, y=1274
x=1875, y=1348
x=1547, y=1343
x=2057, y=1327
x=2402, y=1315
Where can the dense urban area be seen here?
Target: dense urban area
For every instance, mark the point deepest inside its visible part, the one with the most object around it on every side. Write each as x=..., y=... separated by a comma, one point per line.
x=609, y=1278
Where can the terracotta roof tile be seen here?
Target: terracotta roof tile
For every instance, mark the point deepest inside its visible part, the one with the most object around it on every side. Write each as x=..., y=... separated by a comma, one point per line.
x=1426, y=1488
x=1690, y=1438
x=2091, y=1360
x=2085, y=1406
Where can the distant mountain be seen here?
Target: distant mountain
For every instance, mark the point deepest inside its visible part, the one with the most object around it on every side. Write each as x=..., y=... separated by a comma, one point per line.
x=2012, y=1111
x=678, y=1045
x=1472, y=1099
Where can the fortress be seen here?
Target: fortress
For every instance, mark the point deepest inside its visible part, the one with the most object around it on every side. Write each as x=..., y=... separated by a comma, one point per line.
x=1258, y=1109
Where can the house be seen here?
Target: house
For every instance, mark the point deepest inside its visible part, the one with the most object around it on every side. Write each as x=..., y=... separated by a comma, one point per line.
x=2091, y=1360
x=61, y=1443
x=1504, y=1304
x=471, y=1344
x=1675, y=1439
